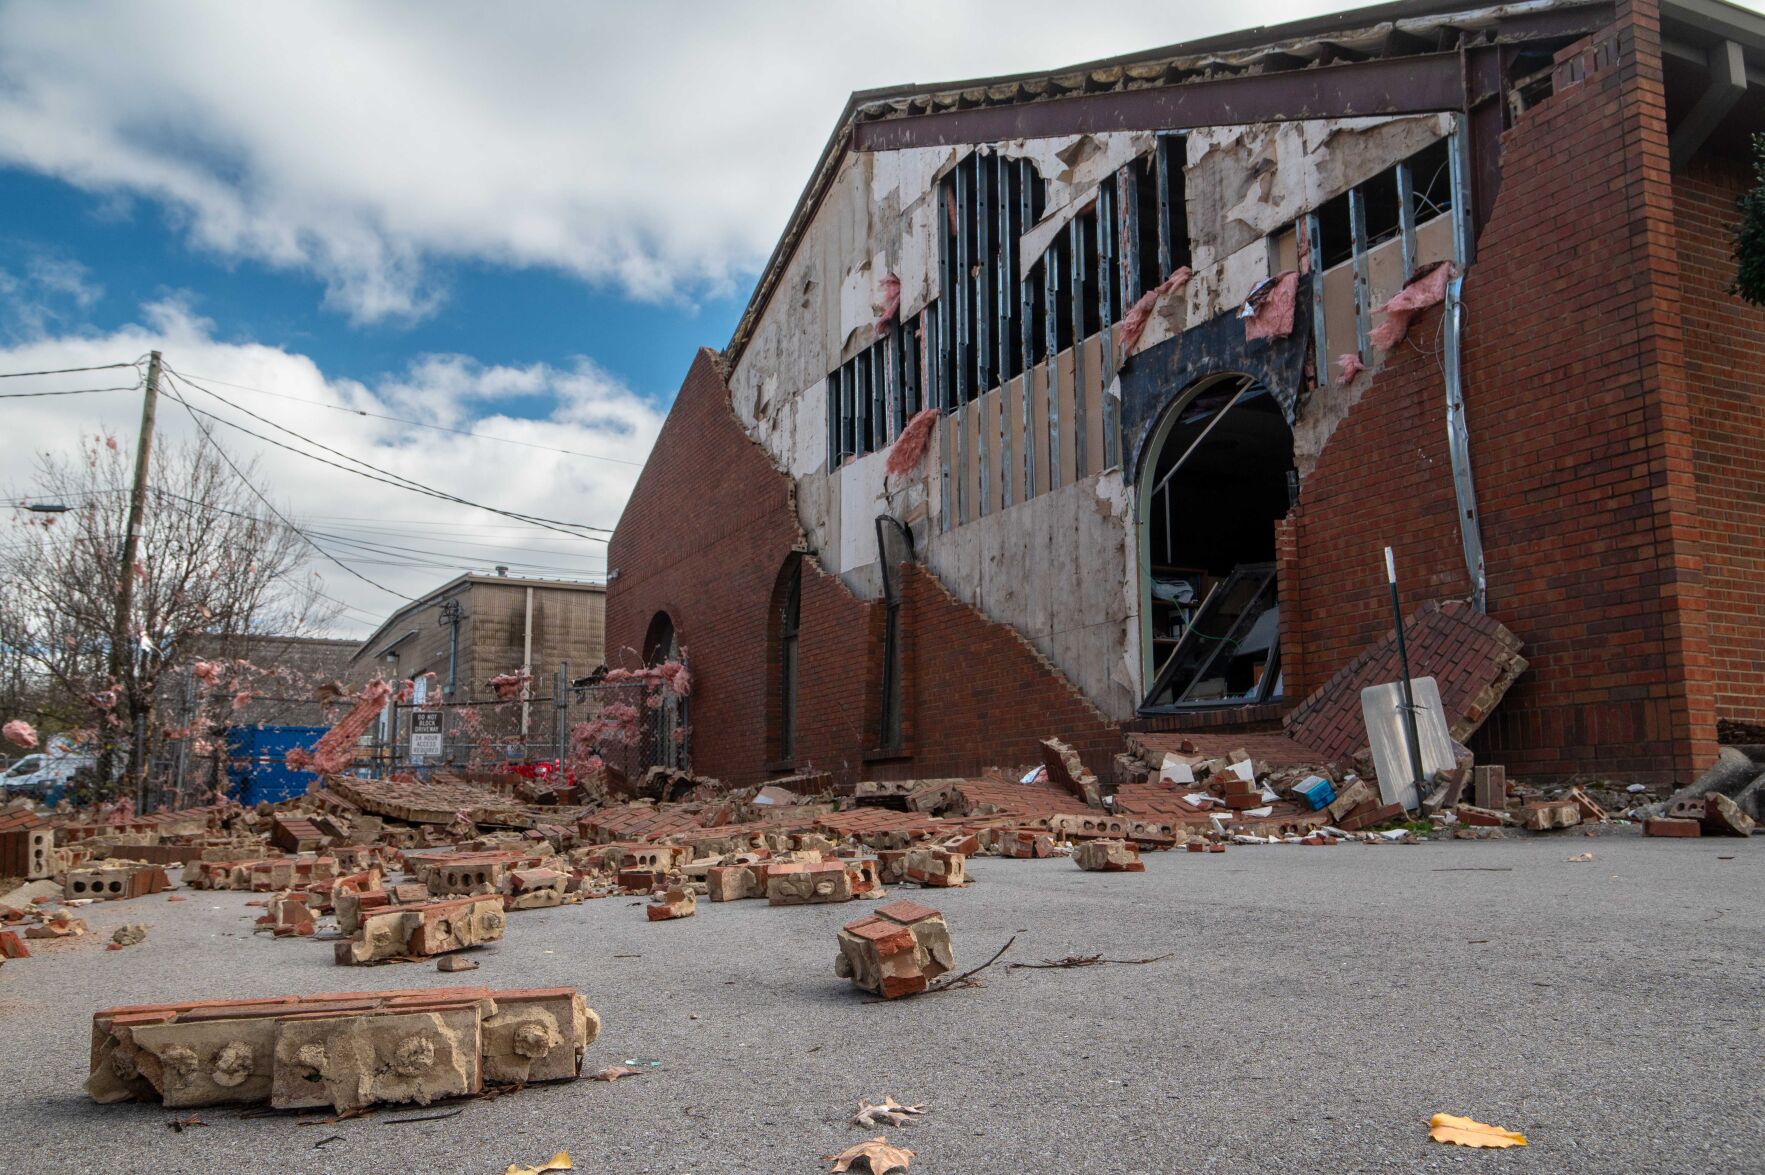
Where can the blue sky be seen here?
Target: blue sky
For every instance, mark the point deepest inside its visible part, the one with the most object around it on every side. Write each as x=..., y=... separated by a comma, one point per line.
x=132, y=252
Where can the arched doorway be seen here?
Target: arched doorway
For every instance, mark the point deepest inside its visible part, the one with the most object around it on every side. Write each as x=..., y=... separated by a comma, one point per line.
x=669, y=734
x=1215, y=479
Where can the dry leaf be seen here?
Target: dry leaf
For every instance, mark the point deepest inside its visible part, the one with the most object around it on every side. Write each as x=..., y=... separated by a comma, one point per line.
x=558, y=1162
x=1468, y=1132
x=614, y=1073
x=889, y=1113
x=876, y=1154
x=1582, y=857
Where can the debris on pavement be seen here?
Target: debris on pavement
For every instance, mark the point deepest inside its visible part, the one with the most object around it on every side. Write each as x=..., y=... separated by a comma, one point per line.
x=423, y=929
x=344, y=1051
x=895, y=951
x=1097, y=960
x=558, y=1162
x=672, y=903
x=1459, y=1131
x=876, y=1156
x=128, y=935
x=1108, y=856
x=613, y=1073
x=888, y=1113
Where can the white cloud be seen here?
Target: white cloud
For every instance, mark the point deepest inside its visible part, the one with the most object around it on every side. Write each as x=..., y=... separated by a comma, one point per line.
x=47, y=290
x=581, y=408
x=655, y=148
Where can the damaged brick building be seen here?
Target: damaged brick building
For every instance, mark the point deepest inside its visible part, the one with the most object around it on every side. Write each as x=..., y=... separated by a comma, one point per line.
x=1196, y=333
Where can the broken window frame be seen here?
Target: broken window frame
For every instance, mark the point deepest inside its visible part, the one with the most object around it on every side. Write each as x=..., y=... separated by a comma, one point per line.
x=1261, y=581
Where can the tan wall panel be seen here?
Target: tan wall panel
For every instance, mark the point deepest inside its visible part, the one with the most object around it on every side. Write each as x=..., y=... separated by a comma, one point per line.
x=1094, y=382
x=1068, y=433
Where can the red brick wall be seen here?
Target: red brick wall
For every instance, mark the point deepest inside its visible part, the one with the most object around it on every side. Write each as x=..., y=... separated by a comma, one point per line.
x=1382, y=480
x=710, y=526
x=1580, y=428
x=979, y=694
x=1725, y=363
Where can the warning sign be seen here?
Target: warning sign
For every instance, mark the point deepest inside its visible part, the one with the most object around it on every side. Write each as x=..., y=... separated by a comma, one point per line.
x=426, y=732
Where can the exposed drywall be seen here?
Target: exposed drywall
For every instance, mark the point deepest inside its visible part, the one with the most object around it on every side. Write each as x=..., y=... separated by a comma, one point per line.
x=1246, y=182
x=1060, y=566
x=1053, y=568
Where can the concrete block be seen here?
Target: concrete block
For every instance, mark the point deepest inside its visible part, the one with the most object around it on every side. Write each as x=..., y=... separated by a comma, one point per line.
x=795, y=883
x=895, y=951
x=347, y=1050
x=730, y=883
x=672, y=903
x=1723, y=817
x=1108, y=856
x=935, y=867
x=424, y=930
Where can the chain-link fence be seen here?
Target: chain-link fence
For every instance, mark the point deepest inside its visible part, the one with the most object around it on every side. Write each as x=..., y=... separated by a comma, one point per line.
x=630, y=723
x=632, y=726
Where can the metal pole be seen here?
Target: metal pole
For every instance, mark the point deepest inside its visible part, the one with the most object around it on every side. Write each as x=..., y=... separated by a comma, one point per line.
x=560, y=715
x=1413, y=736
x=120, y=637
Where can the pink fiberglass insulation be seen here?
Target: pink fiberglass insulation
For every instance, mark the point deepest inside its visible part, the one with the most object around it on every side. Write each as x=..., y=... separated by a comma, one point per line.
x=891, y=286
x=1348, y=366
x=676, y=677
x=335, y=750
x=242, y=699
x=1426, y=289
x=208, y=672
x=20, y=733
x=670, y=675
x=508, y=685
x=910, y=446
x=1271, y=314
x=1138, y=315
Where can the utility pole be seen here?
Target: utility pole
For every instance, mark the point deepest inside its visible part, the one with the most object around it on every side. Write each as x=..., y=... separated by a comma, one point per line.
x=122, y=642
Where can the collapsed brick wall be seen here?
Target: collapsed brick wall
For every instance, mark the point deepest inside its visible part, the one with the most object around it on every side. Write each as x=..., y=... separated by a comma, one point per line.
x=1724, y=356
x=980, y=695
x=1472, y=657
x=1578, y=429
x=709, y=529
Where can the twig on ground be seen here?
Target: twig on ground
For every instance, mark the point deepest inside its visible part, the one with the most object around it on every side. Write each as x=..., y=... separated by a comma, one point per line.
x=1083, y=961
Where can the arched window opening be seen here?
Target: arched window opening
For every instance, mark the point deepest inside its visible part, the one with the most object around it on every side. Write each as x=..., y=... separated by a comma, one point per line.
x=668, y=743
x=1218, y=479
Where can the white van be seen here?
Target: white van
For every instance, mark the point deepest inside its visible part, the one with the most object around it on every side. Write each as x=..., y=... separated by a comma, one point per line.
x=44, y=777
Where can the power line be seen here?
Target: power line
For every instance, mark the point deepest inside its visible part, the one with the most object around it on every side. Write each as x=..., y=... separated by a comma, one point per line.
x=387, y=477
x=443, y=558
x=134, y=387
x=65, y=370
x=208, y=434
x=464, y=432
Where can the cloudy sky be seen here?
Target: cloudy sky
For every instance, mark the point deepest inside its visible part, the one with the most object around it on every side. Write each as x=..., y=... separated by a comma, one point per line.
x=374, y=223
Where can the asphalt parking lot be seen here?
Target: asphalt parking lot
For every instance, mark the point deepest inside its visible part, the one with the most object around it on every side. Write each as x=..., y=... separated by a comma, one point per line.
x=1316, y=1007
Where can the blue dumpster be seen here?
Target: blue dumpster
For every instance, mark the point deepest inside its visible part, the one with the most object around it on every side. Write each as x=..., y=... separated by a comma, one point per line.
x=256, y=771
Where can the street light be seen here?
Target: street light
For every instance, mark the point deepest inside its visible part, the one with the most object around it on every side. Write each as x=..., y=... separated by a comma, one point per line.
x=47, y=508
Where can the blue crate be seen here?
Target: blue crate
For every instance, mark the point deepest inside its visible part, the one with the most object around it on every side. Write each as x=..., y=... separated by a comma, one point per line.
x=1318, y=792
